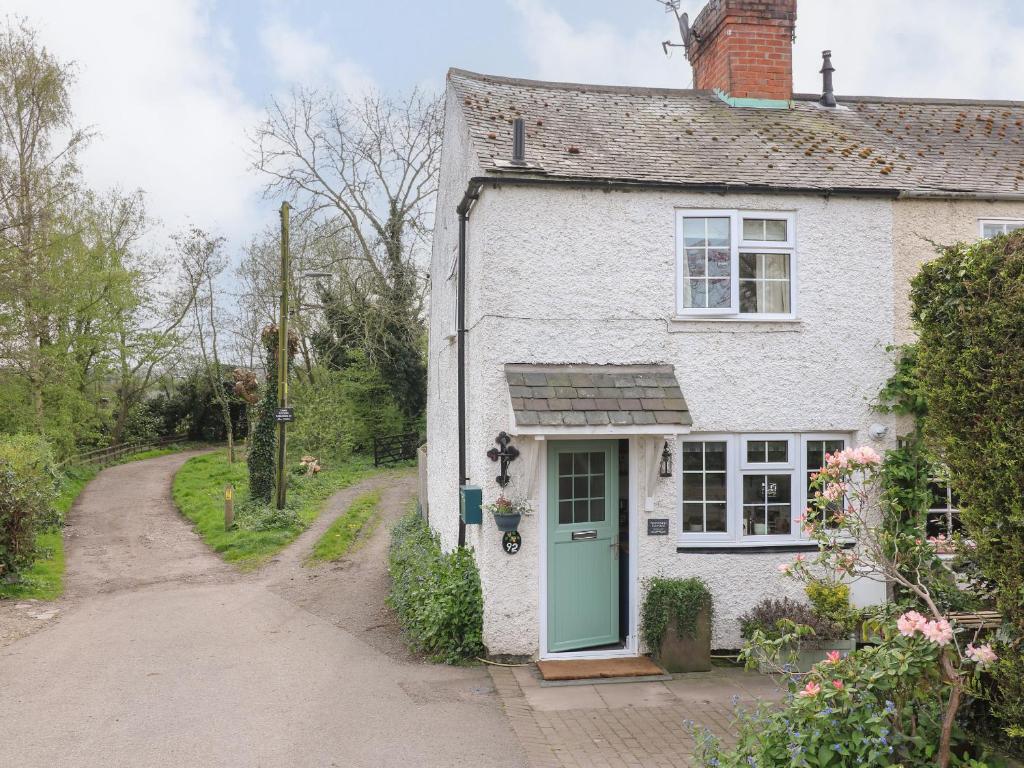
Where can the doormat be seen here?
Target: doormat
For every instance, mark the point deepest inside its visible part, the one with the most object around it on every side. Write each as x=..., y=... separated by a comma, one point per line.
x=600, y=669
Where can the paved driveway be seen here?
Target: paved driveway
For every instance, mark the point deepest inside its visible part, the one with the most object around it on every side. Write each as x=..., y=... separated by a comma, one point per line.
x=163, y=656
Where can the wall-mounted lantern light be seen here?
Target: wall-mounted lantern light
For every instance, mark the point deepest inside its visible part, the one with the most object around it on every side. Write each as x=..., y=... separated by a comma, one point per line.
x=666, y=461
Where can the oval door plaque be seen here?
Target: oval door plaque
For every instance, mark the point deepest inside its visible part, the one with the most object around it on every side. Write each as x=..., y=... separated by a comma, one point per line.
x=511, y=542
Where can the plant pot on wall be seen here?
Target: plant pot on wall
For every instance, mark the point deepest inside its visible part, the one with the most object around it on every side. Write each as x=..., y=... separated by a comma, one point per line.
x=507, y=522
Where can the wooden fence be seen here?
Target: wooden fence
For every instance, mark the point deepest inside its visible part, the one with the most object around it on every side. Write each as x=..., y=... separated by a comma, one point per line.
x=112, y=453
x=391, y=449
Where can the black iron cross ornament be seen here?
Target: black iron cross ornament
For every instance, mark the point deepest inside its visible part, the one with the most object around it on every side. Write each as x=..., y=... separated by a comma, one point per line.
x=505, y=455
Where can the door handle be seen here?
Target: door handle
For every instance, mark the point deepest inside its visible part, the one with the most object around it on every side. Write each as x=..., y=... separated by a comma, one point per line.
x=584, y=535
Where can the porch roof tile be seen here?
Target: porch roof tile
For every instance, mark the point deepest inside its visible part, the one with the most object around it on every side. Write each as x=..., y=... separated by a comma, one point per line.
x=620, y=395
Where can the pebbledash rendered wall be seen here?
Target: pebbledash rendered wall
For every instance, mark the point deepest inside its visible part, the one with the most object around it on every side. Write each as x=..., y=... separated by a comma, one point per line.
x=582, y=276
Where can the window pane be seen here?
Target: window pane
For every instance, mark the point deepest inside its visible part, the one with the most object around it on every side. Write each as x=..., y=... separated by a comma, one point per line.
x=718, y=232
x=779, y=489
x=565, y=487
x=580, y=511
x=775, y=230
x=580, y=487
x=695, y=294
x=564, y=512
x=757, y=451
x=693, y=456
x=753, y=489
x=748, y=266
x=693, y=486
x=719, y=263
x=597, y=463
x=693, y=518
x=714, y=486
x=753, y=229
x=579, y=463
x=776, y=266
x=778, y=451
x=694, y=232
x=779, y=519
x=596, y=486
x=991, y=230
x=693, y=266
x=596, y=510
x=938, y=493
x=715, y=516
x=719, y=294
x=565, y=463
x=754, y=521
x=714, y=456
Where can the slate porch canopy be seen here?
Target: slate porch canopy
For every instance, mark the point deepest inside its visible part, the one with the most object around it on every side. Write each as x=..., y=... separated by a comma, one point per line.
x=572, y=395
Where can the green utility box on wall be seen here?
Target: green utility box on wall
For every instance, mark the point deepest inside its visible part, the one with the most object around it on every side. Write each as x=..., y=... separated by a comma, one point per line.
x=470, y=499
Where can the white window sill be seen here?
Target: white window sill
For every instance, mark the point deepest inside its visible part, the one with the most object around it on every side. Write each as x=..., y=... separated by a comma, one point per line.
x=750, y=547
x=733, y=324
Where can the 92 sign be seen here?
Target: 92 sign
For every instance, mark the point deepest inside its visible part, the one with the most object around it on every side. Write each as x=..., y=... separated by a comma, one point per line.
x=511, y=542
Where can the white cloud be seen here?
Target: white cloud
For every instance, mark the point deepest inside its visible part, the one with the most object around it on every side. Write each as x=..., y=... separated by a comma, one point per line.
x=945, y=48
x=297, y=57
x=155, y=81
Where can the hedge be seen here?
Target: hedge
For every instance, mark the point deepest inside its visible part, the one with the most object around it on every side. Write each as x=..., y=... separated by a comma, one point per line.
x=436, y=595
x=28, y=487
x=968, y=307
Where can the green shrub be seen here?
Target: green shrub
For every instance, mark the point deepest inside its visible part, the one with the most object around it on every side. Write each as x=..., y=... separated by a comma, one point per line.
x=436, y=595
x=28, y=487
x=668, y=599
x=338, y=413
x=831, y=601
x=968, y=308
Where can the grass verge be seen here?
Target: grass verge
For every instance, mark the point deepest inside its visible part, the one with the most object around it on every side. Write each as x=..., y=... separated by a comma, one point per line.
x=258, y=534
x=345, y=531
x=45, y=579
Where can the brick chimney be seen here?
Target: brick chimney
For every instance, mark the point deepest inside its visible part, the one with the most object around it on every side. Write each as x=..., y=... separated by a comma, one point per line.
x=744, y=50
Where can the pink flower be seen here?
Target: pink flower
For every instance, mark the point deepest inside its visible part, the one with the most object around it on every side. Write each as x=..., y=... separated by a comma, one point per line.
x=837, y=684
x=983, y=655
x=811, y=689
x=784, y=568
x=866, y=455
x=910, y=622
x=800, y=558
x=835, y=491
x=938, y=632
x=833, y=657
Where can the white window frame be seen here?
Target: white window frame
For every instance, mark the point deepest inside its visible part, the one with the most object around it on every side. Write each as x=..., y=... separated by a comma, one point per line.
x=949, y=511
x=736, y=467
x=1004, y=223
x=736, y=246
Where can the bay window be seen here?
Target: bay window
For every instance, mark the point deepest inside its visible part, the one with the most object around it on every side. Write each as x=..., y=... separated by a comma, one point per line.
x=735, y=263
x=749, y=489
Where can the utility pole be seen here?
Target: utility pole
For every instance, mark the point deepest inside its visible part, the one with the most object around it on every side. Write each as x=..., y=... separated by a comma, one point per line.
x=282, y=360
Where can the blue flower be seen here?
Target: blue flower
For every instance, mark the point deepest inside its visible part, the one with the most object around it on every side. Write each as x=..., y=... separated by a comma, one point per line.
x=836, y=747
x=890, y=707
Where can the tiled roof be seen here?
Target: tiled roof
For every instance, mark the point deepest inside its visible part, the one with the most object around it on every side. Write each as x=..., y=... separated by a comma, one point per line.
x=693, y=137
x=584, y=395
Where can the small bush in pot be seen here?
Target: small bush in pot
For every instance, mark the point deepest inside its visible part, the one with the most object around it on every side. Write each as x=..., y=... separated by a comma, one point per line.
x=775, y=618
x=676, y=620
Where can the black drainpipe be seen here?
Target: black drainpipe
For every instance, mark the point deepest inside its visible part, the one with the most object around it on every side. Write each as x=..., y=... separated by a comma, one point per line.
x=472, y=192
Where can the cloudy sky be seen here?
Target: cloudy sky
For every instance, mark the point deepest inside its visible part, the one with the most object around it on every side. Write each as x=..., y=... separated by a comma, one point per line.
x=172, y=86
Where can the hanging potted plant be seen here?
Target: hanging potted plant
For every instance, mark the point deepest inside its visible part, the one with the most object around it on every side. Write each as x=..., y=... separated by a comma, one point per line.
x=508, y=512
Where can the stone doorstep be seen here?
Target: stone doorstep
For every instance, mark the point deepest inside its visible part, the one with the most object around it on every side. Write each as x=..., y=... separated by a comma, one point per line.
x=606, y=680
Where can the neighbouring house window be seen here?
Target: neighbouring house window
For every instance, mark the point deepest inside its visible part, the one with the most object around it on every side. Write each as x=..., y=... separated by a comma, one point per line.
x=993, y=227
x=736, y=263
x=749, y=488
x=943, y=516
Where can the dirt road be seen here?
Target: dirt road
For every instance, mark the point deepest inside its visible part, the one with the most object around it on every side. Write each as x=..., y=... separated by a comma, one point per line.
x=161, y=655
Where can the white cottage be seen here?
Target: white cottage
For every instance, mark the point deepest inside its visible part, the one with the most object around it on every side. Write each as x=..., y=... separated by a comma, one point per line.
x=674, y=303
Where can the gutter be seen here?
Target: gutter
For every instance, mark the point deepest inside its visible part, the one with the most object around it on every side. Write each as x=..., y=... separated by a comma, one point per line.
x=923, y=194
x=463, y=209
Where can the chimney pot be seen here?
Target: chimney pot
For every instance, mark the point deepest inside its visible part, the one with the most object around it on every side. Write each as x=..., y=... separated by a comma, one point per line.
x=828, y=96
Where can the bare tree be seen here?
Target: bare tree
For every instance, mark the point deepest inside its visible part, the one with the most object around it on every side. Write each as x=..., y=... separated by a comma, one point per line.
x=363, y=173
x=203, y=262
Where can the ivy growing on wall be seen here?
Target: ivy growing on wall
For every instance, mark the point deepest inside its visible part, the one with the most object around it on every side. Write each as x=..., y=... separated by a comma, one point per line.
x=679, y=600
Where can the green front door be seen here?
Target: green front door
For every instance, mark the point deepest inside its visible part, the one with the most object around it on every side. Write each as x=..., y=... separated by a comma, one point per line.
x=583, y=529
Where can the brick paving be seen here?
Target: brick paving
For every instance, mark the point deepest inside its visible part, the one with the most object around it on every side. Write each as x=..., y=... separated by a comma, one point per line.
x=615, y=725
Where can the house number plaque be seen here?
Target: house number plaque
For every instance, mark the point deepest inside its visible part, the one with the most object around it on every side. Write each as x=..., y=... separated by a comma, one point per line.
x=511, y=542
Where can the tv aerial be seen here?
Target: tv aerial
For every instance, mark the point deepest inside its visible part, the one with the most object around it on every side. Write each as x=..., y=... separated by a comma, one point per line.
x=685, y=32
